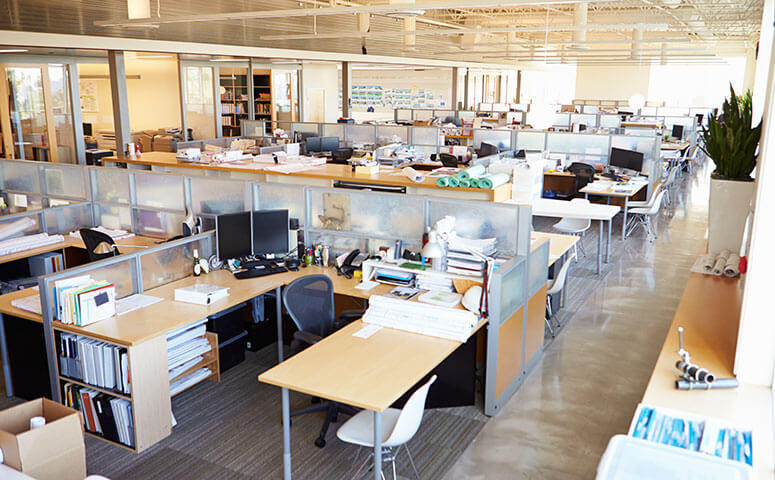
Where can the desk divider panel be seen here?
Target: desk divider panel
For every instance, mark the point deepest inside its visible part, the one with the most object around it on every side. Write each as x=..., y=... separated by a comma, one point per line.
x=360, y=133
x=499, y=138
x=310, y=128
x=333, y=130
x=537, y=273
x=68, y=218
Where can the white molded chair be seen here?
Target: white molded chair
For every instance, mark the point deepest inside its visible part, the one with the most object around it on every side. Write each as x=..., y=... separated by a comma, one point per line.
x=398, y=427
x=575, y=226
x=554, y=287
x=643, y=216
x=645, y=204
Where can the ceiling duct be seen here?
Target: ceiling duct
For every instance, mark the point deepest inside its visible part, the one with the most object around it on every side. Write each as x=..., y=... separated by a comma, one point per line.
x=580, y=11
x=404, y=13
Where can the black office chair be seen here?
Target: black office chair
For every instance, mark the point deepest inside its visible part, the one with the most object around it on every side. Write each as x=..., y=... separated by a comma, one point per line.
x=448, y=160
x=341, y=155
x=91, y=239
x=584, y=173
x=310, y=302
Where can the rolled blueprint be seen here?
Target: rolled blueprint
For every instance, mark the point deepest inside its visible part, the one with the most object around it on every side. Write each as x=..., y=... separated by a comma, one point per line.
x=454, y=182
x=442, y=182
x=413, y=174
x=469, y=173
x=474, y=182
x=708, y=261
x=732, y=268
x=491, y=181
x=721, y=262
x=465, y=183
x=719, y=383
x=12, y=228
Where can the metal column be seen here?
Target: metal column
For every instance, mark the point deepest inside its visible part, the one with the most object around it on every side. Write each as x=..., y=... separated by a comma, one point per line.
x=347, y=89
x=120, y=101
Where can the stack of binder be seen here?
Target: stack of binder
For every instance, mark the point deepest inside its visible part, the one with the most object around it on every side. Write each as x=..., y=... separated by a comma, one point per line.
x=82, y=301
x=185, y=349
x=103, y=414
x=394, y=277
x=94, y=362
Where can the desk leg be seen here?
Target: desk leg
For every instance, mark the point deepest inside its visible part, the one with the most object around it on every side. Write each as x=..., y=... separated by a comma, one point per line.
x=278, y=292
x=608, y=241
x=377, y=445
x=599, y=246
x=6, y=364
x=624, y=222
x=286, y=435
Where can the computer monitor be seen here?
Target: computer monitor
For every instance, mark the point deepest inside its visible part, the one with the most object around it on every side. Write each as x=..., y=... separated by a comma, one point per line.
x=270, y=232
x=313, y=144
x=626, y=159
x=678, y=131
x=329, y=144
x=232, y=234
x=87, y=129
x=487, y=149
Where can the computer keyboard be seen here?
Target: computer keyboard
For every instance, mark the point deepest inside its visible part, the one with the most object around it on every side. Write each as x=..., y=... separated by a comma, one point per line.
x=259, y=272
x=20, y=244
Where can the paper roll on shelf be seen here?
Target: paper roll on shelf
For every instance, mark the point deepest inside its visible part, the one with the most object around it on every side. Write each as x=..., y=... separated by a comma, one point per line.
x=721, y=262
x=474, y=182
x=472, y=172
x=708, y=261
x=732, y=267
x=454, y=182
x=413, y=174
x=465, y=183
x=17, y=226
x=489, y=182
x=442, y=182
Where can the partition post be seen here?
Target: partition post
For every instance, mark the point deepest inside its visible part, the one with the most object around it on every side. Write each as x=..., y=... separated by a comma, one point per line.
x=120, y=100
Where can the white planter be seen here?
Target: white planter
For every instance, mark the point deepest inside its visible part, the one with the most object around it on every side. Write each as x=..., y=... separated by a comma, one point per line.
x=730, y=202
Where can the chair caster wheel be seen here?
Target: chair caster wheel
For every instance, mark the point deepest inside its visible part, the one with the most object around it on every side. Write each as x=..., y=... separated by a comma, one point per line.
x=320, y=443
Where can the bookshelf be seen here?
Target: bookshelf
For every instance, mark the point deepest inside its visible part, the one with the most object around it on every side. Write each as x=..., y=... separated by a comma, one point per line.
x=262, y=95
x=235, y=99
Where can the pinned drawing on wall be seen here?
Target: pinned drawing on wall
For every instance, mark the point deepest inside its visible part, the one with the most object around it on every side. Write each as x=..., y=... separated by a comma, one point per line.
x=336, y=212
x=88, y=95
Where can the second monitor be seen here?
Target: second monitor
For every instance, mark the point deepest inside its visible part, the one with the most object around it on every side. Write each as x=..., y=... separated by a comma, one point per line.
x=626, y=159
x=270, y=232
x=260, y=232
x=322, y=144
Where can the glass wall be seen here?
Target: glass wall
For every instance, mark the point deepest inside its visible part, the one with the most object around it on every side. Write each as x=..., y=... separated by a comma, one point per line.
x=61, y=109
x=200, y=102
x=28, y=113
x=285, y=88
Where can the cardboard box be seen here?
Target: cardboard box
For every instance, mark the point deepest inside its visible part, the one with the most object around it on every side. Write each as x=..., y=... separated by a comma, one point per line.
x=53, y=452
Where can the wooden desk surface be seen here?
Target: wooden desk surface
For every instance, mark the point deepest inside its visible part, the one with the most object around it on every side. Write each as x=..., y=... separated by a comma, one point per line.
x=674, y=145
x=590, y=189
x=76, y=243
x=370, y=373
x=558, y=243
x=709, y=311
x=328, y=171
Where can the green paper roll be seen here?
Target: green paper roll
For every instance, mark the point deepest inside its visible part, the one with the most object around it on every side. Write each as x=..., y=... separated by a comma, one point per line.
x=465, y=183
x=472, y=172
x=442, y=182
x=489, y=182
x=454, y=182
x=474, y=182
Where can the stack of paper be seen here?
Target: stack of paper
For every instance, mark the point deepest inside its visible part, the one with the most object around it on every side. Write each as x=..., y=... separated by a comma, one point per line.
x=434, y=283
x=449, y=323
x=96, y=363
x=29, y=304
x=461, y=258
x=179, y=385
x=82, y=301
x=185, y=347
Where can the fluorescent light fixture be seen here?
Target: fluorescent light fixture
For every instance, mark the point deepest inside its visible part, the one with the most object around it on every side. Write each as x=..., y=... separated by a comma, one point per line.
x=229, y=60
x=14, y=50
x=151, y=57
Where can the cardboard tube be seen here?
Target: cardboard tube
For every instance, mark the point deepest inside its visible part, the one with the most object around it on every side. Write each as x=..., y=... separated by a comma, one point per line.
x=732, y=267
x=708, y=261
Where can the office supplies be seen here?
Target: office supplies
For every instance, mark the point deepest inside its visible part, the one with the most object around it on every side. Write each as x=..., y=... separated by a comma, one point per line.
x=201, y=294
x=403, y=293
x=412, y=174
x=270, y=232
x=471, y=172
x=179, y=385
x=626, y=159
x=259, y=272
x=435, y=321
x=28, y=242
x=444, y=299
x=233, y=235
x=366, y=285
x=367, y=331
x=394, y=277
x=494, y=180
x=487, y=149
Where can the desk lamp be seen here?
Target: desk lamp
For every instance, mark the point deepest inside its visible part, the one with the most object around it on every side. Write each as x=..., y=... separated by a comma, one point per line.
x=105, y=247
x=435, y=251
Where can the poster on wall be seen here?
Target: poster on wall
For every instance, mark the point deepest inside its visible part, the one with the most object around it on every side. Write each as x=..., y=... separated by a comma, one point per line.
x=377, y=96
x=88, y=95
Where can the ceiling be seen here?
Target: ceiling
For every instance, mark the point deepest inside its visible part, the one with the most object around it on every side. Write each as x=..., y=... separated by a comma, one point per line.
x=521, y=32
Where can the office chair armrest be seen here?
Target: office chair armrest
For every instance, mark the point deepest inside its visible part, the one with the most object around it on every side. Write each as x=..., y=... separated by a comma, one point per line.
x=307, y=337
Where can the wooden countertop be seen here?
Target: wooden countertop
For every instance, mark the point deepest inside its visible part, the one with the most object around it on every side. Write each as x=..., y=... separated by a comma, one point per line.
x=76, y=243
x=558, y=243
x=709, y=312
x=328, y=171
x=674, y=145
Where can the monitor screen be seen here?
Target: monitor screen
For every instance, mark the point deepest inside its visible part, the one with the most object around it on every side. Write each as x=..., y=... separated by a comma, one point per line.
x=678, y=131
x=487, y=149
x=87, y=129
x=314, y=144
x=627, y=159
x=232, y=233
x=329, y=144
x=270, y=232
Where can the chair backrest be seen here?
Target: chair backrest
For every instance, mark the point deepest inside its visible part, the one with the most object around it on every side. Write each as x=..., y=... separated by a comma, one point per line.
x=584, y=174
x=584, y=201
x=448, y=160
x=559, y=281
x=654, y=208
x=92, y=238
x=410, y=417
x=310, y=302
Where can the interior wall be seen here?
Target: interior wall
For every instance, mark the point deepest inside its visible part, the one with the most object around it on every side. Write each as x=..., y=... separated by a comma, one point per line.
x=611, y=83
x=423, y=88
x=320, y=84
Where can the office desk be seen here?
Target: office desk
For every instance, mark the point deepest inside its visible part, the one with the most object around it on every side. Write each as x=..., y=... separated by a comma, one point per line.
x=320, y=176
x=545, y=207
x=559, y=243
x=370, y=373
x=675, y=145
x=71, y=242
x=610, y=189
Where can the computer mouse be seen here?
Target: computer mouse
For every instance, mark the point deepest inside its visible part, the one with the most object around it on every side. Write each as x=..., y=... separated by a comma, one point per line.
x=294, y=269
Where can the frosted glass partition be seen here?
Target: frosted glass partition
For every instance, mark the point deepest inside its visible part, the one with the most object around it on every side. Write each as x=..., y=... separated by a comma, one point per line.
x=334, y=130
x=155, y=223
x=309, y=128
x=508, y=285
x=647, y=111
x=35, y=228
x=427, y=136
x=537, y=262
x=65, y=181
x=252, y=128
x=68, y=218
x=360, y=133
x=120, y=272
x=167, y=265
x=20, y=177
x=386, y=216
x=561, y=120
x=443, y=114
x=386, y=134
x=590, y=109
x=424, y=152
x=113, y=216
x=646, y=145
x=674, y=111
x=584, y=119
x=216, y=196
x=479, y=220
x=279, y=196
x=110, y=185
x=583, y=144
x=499, y=138
x=500, y=107
x=159, y=190
x=466, y=115
x=423, y=115
x=403, y=115
x=687, y=122
x=610, y=121
x=530, y=140
x=338, y=244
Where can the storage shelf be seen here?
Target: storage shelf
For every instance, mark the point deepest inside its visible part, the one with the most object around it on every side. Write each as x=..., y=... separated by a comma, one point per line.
x=210, y=359
x=113, y=442
x=99, y=389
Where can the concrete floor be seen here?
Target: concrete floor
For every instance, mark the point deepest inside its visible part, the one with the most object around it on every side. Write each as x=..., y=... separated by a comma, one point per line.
x=592, y=376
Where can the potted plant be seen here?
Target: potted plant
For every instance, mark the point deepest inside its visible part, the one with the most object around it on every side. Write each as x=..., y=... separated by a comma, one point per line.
x=731, y=141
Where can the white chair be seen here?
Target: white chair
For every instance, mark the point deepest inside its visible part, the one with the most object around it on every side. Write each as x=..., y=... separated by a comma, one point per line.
x=670, y=184
x=643, y=216
x=575, y=226
x=645, y=204
x=398, y=427
x=554, y=287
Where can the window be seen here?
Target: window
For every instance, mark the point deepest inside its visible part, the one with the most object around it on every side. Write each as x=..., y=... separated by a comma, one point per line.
x=695, y=85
